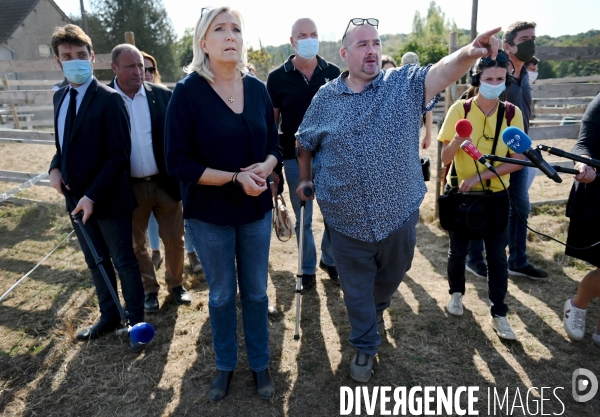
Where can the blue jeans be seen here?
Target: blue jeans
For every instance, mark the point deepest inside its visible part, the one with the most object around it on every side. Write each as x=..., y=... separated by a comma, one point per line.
x=520, y=181
x=517, y=230
x=112, y=240
x=219, y=247
x=309, y=253
x=155, y=239
x=495, y=245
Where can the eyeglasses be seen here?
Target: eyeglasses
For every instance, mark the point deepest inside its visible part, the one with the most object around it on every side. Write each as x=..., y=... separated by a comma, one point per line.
x=501, y=58
x=150, y=70
x=359, y=21
x=484, y=135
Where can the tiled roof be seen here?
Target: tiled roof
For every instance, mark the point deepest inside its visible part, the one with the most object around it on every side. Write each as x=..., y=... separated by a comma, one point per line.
x=12, y=14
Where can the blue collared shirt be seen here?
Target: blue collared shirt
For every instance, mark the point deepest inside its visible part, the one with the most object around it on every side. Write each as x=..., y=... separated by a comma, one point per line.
x=368, y=178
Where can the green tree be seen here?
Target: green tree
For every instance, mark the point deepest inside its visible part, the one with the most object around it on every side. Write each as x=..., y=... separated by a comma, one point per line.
x=184, y=50
x=263, y=61
x=108, y=20
x=429, y=36
x=576, y=68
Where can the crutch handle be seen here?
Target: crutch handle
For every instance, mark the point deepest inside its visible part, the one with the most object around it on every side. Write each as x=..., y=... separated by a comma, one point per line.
x=307, y=193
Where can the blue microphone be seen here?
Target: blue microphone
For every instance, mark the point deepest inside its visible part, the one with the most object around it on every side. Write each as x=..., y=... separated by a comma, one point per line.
x=142, y=333
x=519, y=142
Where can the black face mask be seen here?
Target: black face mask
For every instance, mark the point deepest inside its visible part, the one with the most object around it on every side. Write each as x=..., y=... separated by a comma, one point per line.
x=525, y=50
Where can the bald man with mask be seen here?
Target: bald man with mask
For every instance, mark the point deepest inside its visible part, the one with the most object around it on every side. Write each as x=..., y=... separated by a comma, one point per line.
x=292, y=86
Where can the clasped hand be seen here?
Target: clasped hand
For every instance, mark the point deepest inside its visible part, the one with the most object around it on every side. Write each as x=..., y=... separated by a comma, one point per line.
x=253, y=178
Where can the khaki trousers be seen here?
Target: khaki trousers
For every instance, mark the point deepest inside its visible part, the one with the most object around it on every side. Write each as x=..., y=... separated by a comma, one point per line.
x=169, y=215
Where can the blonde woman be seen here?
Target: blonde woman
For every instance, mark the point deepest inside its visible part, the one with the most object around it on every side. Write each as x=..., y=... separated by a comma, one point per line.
x=222, y=144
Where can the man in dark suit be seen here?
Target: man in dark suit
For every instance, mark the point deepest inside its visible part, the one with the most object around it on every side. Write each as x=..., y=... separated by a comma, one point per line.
x=155, y=191
x=91, y=164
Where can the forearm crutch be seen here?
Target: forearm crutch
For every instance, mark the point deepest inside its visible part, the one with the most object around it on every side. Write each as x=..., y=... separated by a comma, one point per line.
x=307, y=192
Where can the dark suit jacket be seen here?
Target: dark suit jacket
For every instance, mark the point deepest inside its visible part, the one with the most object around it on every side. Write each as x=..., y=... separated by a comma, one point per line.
x=584, y=200
x=158, y=100
x=95, y=162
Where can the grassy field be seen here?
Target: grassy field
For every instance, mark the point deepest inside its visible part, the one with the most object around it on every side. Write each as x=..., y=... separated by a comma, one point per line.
x=44, y=372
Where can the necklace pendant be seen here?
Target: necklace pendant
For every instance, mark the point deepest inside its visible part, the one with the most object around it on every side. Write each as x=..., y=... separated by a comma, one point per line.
x=231, y=99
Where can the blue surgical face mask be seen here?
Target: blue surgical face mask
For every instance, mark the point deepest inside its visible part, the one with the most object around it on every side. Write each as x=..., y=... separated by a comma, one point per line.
x=308, y=48
x=77, y=71
x=491, y=91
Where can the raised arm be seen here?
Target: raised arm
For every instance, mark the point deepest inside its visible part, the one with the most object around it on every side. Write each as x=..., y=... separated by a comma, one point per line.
x=452, y=67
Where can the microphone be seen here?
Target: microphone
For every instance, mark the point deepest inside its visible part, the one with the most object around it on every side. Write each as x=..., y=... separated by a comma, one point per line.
x=558, y=168
x=474, y=153
x=519, y=142
x=594, y=163
x=464, y=128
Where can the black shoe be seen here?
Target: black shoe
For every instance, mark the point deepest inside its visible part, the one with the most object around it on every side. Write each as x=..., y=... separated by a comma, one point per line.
x=151, y=302
x=220, y=386
x=332, y=271
x=308, y=281
x=180, y=295
x=98, y=329
x=265, y=386
x=528, y=271
x=136, y=347
x=477, y=269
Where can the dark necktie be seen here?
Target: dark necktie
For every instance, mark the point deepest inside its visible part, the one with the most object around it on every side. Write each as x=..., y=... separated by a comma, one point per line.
x=69, y=122
x=70, y=119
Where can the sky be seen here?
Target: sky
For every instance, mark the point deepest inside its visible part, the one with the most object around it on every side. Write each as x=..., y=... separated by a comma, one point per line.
x=270, y=21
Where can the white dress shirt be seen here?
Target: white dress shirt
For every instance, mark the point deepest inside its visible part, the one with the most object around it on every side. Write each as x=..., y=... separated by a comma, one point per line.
x=143, y=162
x=64, y=107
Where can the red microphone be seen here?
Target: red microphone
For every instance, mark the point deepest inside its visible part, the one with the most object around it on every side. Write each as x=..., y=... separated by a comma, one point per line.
x=474, y=153
x=464, y=128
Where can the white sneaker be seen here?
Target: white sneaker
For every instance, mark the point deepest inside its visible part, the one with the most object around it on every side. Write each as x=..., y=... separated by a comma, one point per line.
x=574, y=321
x=455, y=306
x=596, y=337
x=501, y=326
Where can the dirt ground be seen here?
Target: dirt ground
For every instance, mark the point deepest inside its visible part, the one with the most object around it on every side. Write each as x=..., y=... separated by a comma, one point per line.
x=44, y=372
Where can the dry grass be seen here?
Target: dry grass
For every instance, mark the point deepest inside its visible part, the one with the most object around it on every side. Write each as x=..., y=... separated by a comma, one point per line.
x=43, y=372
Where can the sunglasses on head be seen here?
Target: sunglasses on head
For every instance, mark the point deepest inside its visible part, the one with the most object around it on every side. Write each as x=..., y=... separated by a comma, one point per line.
x=501, y=58
x=205, y=9
x=359, y=21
